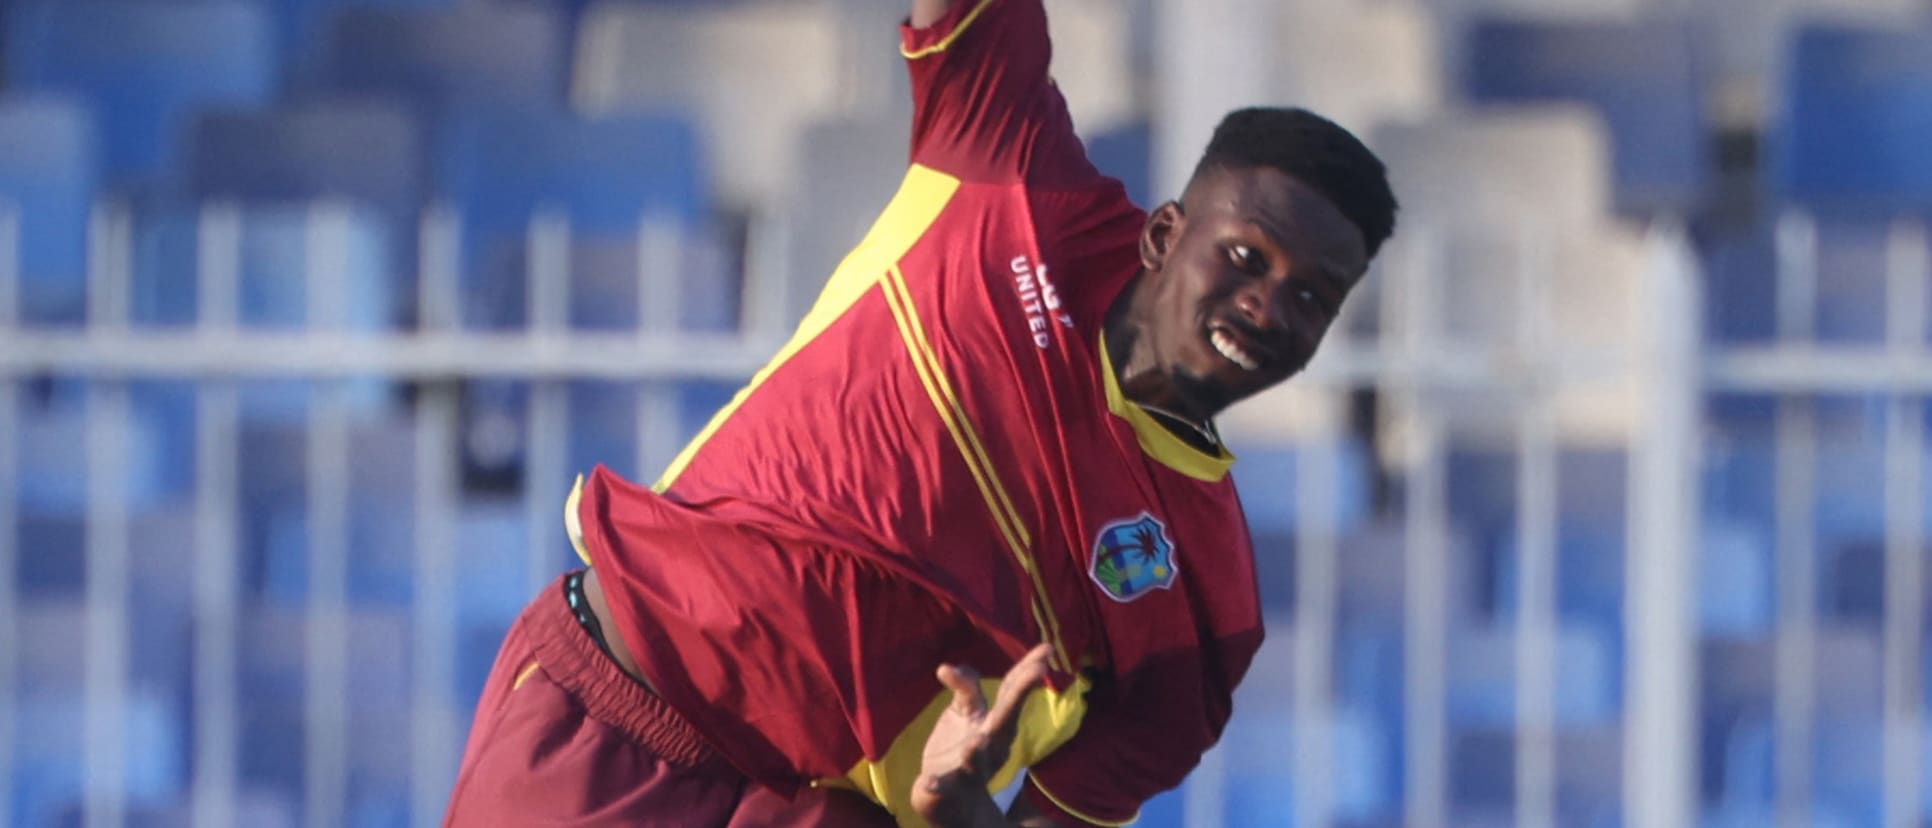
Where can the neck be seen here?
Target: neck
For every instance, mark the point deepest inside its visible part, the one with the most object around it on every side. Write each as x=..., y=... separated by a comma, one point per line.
x=1139, y=375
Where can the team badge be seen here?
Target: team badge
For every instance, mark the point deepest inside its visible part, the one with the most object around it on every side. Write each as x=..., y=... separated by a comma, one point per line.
x=1132, y=558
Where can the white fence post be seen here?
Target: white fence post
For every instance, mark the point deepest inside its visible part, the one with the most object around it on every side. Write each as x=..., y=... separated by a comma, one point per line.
x=1660, y=745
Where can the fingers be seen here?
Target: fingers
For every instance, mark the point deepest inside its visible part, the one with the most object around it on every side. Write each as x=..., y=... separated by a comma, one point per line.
x=968, y=699
x=1029, y=672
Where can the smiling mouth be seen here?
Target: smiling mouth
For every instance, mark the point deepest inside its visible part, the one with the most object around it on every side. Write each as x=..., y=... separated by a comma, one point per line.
x=1230, y=346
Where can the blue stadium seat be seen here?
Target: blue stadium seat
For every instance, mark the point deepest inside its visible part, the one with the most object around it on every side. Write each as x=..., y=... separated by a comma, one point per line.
x=1644, y=77
x=381, y=525
x=49, y=168
x=1733, y=580
x=50, y=440
x=1740, y=286
x=271, y=756
x=491, y=588
x=367, y=157
x=163, y=553
x=1482, y=772
x=1589, y=775
x=1589, y=572
x=367, y=152
x=302, y=26
x=1483, y=669
x=1748, y=779
x=470, y=55
x=49, y=755
x=1857, y=105
x=1848, y=768
x=144, y=67
x=1269, y=476
x=604, y=429
x=605, y=176
x=1260, y=785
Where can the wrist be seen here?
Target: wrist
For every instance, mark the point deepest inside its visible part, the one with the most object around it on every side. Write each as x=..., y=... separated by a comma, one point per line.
x=958, y=800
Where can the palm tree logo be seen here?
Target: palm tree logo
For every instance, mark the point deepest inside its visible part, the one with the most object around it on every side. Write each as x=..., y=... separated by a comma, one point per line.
x=1133, y=557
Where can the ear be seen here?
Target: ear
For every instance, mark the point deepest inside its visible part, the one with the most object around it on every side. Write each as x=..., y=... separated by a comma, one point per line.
x=1157, y=239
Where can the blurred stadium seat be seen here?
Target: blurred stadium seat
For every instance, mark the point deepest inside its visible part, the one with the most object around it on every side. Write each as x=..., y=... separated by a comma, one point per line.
x=1504, y=193
x=1360, y=64
x=1483, y=676
x=848, y=171
x=471, y=55
x=302, y=27
x=49, y=171
x=1733, y=580
x=363, y=151
x=605, y=177
x=1855, y=105
x=1643, y=78
x=1501, y=166
x=144, y=68
x=752, y=75
x=1744, y=44
x=1740, y=294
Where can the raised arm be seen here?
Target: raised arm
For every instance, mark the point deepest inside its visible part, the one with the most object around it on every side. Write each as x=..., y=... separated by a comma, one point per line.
x=928, y=12
x=984, y=109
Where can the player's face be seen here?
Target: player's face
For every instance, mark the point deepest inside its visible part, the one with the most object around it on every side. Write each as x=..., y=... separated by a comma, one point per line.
x=1255, y=268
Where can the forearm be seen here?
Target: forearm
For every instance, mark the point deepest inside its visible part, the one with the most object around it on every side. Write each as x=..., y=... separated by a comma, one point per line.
x=927, y=12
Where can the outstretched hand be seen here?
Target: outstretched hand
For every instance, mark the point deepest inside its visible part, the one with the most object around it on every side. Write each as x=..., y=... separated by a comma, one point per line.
x=970, y=743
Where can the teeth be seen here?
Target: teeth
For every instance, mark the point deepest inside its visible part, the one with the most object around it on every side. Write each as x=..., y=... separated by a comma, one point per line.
x=1233, y=352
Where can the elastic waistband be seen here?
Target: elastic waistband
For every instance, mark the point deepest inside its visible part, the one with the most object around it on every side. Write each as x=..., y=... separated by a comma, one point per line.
x=570, y=658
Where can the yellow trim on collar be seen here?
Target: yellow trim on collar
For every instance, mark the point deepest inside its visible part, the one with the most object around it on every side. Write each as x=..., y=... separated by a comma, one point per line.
x=1160, y=444
x=947, y=42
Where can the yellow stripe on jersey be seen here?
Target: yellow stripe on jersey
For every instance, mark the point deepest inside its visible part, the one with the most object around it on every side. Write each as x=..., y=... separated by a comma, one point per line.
x=947, y=43
x=1155, y=440
x=1047, y=720
x=524, y=676
x=923, y=194
x=973, y=451
x=1035, y=782
x=574, y=525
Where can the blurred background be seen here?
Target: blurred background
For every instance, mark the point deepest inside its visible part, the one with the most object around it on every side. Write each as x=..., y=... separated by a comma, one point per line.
x=1606, y=505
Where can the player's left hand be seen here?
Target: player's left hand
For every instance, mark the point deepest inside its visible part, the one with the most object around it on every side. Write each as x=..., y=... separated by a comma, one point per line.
x=970, y=743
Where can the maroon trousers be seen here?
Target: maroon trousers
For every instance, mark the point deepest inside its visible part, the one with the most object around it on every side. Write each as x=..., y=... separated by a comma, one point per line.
x=563, y=737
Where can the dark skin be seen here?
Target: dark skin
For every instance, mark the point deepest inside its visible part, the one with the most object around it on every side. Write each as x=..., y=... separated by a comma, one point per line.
x=1250, y=254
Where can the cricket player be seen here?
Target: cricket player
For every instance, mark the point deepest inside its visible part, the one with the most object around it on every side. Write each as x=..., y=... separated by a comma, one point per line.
x=988, y=450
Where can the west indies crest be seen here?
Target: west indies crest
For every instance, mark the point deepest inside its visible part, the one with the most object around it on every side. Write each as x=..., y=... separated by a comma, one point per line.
x=1133, y=557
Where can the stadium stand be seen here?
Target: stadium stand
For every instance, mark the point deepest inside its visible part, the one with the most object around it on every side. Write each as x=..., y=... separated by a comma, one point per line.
x=606, y=177
x=144, y=68
x=444, y=60
x=1359, y=64
x=328, y=126
x=1855, y=102
x=49, y=173
x=1644, y=79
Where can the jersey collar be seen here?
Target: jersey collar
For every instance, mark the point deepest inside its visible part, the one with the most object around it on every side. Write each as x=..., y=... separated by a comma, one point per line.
x=1156, y=441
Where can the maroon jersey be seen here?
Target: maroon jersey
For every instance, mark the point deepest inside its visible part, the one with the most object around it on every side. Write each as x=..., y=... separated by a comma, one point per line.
x=939, y=467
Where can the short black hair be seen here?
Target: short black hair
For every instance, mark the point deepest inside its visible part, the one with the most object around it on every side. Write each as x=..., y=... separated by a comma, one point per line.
x=1314, y=151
